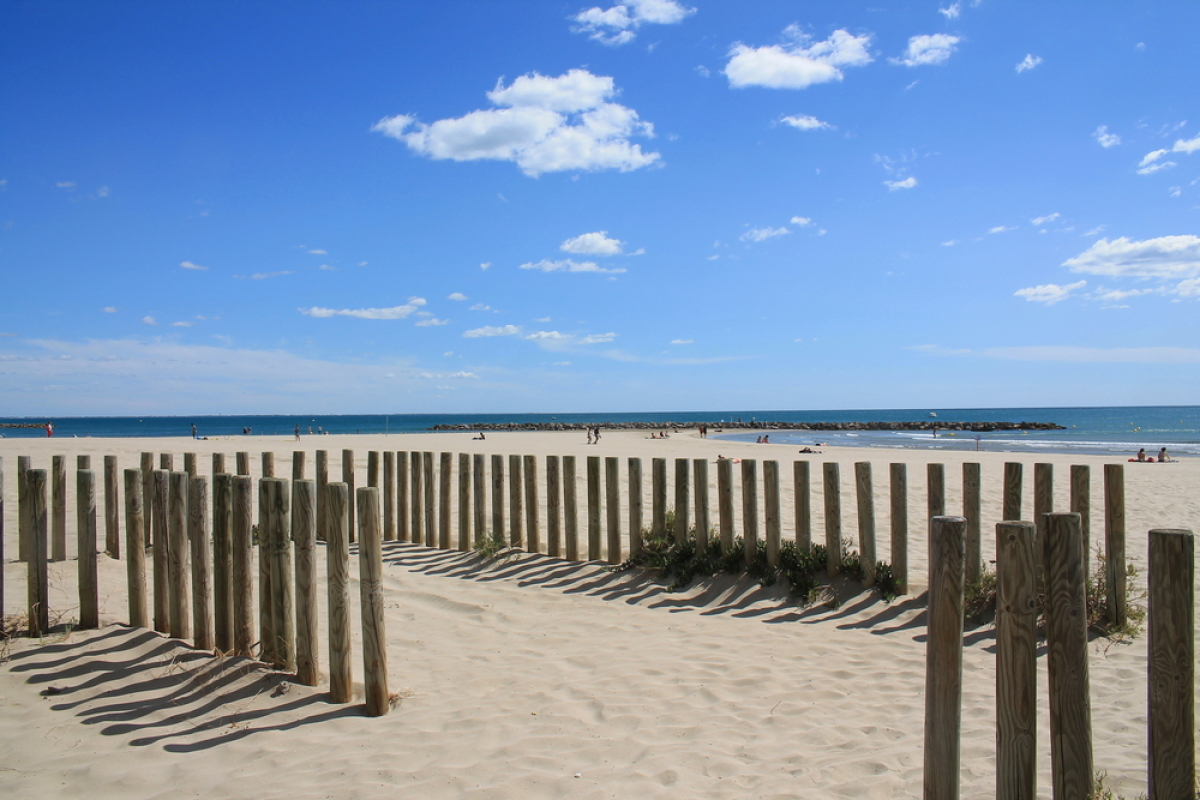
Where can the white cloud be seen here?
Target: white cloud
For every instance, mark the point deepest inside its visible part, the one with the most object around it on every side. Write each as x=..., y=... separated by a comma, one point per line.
x=1002, y=229
x=805, y=122
x=395, y=312
x=1157, y=167
x=69, y=185
x=190, y=265
x=1029, y=62
x=318, y=252
x=547, y=335
x=762, y=234
x=457, y=296
x=262, y=276
x=1105, y=138
x=110, y=309
x=1096, y=231
x=480, y=307
x=182, y=324
x=598, y=338
x=683, y=341
x=1175, y=191
x=485, y=265
x=907, y=183
x=592, y=244
x=1188, y=146
x=952, y=11
x=489, y=330
x=1117, y=295
x=618, y=25
x=544, y=124
x=1049, y=293
x=803, y=222
x=103, y=191
x=568, y=265
x=425, y=323
x=950, y=243
x=1164, y=257
x=928, y=49
x=1151, y=164
x=327, y=268
x=1045, y=219
x=149, y=320
x=799, y=63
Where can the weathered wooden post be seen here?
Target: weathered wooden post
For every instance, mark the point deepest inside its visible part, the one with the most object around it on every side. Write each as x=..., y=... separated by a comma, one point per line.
x=337, y=563
x=593, y=507
x=899, y=498
x=33, y=511
x=935, y=476
x=464, y=502
x=703, y=522
x=417, y=498
x=1066, y=642
x=1043, y=504
x=864, y=489
x=189, y=464
x=112, y=508
x=1114, y=542
x=479, y=477
x=178, y=559
x=516, y=504
x=403, y=514
x=749, y=510
x=268, y=641
x=1013, y=479
x=1172, y=665
x=322, y=479
x=268, y=465
x=279, y=552
x=24, y=533
x=973, y=513
x=612, y=508
x=83, y=462
x=198, y=537
x=348, y=479
x=85, y=528
x=135, y=549
x=497, y=532
x=147, y=463
x=389, y=496
x=771, y=497
x=570, y=510
x=833, y=518
x=533, y=534
x=222, y=525
x=162, y=549
x=1016, y=661
x=1081, y=504
x=683, y=500
x=218, y=464
x=243, y=462
x=166, y=461
x=445, y=481
x=725, y=503
x=429, y=503
x=553, y=506
x=308, y=671
x=658, y=497
x=635, y=507
x=370, y=583
x=58, y=513
x=373, y=468
x=802, y=502
x=943, y=658
x=243, y=565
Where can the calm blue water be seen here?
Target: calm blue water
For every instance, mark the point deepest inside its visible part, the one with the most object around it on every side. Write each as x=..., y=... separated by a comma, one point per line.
x=1113, y=430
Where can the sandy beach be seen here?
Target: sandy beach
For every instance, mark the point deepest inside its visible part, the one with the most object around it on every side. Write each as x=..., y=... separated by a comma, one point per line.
x=535, y=677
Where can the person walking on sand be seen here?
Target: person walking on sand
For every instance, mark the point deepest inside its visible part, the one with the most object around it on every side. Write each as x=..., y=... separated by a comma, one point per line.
x=195, y=434
x=49, y=429
x=297, y=431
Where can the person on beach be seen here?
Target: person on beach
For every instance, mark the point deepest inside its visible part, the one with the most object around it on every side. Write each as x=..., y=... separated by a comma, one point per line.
x=589, y=435
x=297, y=431
x=1163, y=458
x=195, y=433
x=1141, y=456
x=49, y=429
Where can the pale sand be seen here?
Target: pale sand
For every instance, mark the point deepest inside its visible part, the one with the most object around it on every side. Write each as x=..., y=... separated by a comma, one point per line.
x=538, y=678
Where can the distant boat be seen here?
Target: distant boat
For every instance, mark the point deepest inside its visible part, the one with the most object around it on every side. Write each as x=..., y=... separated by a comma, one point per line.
x=933, y=413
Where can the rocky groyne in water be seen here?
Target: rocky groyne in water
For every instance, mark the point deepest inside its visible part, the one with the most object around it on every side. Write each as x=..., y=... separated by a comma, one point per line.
x=716, y=427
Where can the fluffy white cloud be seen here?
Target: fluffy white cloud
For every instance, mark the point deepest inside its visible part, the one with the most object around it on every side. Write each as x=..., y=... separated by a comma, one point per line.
x=457, y=296
x=907, y=183
x=190, y=265
x=598, y=338
x=928, y=49
x=395, y=312
x=799, y=63
x=262, y=276
x=683, y=341
x=762, y=234
x=952, y=11
x=1164, y=257
x=182, y=324
x=544, y=124
x=110, y=309
x=70, y=185
x=547, y=336
x=491, y=330
x=1029, y=62
x=592, y=244
x=1151, y=164
x=802, y=222
x=1105, y=138
x=1186, y=146
x=425, y=323
x=1045, y=219
x=618, y=25
x=805, y=122
x=1049, y=293
x=318, y=252
x=568, y=265
x=1002, y=229
x=149, y=320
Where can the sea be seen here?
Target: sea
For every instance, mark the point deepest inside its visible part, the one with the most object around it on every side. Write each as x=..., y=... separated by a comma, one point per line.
x=1113, y=430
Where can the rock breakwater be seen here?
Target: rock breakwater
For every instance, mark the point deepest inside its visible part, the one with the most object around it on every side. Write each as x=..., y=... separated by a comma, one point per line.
x=716, y=427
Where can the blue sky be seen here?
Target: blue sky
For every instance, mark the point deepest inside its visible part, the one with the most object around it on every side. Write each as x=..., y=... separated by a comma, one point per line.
x=376, y=207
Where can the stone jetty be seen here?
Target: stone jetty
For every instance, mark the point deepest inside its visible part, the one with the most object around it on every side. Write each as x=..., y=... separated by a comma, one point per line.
x=714, y=427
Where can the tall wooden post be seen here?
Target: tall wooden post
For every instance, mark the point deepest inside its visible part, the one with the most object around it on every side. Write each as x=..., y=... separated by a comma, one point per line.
x=935, y=475
x=348, y=479
x=1016, y=661
x=243, y=565
x=479, y=478
x=218, y=464
x=1081, y=504
x=373, y=468
x=308, y=671
x=198, y=537
x=703, y=523
x=570, y=510
x=166, y=461
x=771, y=497
x=24, y=533
x=973, y=513
x=370, y=583
x=658, y=497
x=593, y=507
x=298, y=459
x=162, y=549
x=85, y=527
x=635, y=507
x=1043, y=504
x=943, y=658
x=112, y=508
x=445, y=481
x=58, y=513
x=1114, y=542
x=1172, y=665
x=147, y=463
x=749, y=510
x=725, y=503
x=497, y=497
x=802, y=500
x=864, y=489
x=267, y=638
x=337, y=562
x=833, y=518
x=417, y=498
x=533, y=534
x=279, y=553
x=322, y=479
x=1013, y=479
x=242, y=459
x=33, y=511
x=899, y=498
x=189, y=464
x=403, y=515
x=683, y=500
x=516, y=503
x=464, y=502
x=612, y=508
x=1066, y=642
x=222, y=525
x=553, y=507
x=428, y=500
x=268, y=465
x=135, y=549
x=389, y=496
x=178, y=559
x=83, y=462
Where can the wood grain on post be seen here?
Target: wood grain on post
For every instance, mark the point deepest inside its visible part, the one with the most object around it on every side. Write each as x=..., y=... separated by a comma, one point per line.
x=749, y=510
x=833, y=518
x=1067, y=659
x=161, y=550
x=189, y=464
x=935, y=476
x=899, y=552
x=943, y=658
x=635, y=507
x=222, y=525
x=337, y=564
x=416, y=498
x=445, y=483
x=348, y=479
x=24, y=534
x=703, y=519
x=1114, y=542
x=33, y=511
x=267, y=640
x=683, y=499
x=516, y=503
x=1172, y=665
x=973, y=513
x=218, y=464
x=147, y=463
x=283, y=620
x=464, y=502
x=497, y=530
x=1014, y=476
x=389, y=496
x=268, y=465
x=428, y=501
x=322, y=478
x=243, y=462
x=1043, y=504
x=373, y=468
x=725, y=503
x=112, y=508
x=85, y=529
x=593, y=508
x=179, y=619
x=370, y=584
x=242, y=553
x=658, y=497
x=533, y=536
x=1016, y=661
x=802, y=502
x=479, y=479
x=83, y=462
x=1081, y=504
x=864, y=489
x=771, y=498
x=403, y=514
x=298, y=460
x=612, y=507
x=135, y=549
x=553, y=507
x=58, y=513
x=166, y=461
x=570, y=510
x=198, y=537
x=304, y=500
